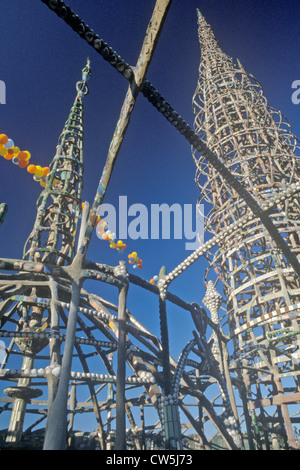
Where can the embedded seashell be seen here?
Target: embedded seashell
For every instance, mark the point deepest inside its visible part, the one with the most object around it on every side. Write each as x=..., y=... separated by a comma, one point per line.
x=56, y=371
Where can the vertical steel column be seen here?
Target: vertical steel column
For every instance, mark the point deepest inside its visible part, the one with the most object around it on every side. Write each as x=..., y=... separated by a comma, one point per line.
x=15, y=427
x=120, y=443
x=110, y=397
x=56, y=430
x=286, y=417
x=172, y=425
x=54, y=343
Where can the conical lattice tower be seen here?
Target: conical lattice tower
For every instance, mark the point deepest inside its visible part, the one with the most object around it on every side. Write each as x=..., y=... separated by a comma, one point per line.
x=52, y=240
x=262, y=311
x=53, y=237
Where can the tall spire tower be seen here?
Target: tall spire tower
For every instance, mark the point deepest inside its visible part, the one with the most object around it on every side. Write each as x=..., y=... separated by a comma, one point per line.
x=261, y=289
x=52, y=239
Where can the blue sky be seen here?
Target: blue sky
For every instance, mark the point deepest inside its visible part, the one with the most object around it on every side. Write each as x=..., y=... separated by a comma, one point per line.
x=41, y=59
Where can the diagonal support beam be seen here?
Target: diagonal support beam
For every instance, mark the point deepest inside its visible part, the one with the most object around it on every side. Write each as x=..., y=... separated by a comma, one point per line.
x=136, y=81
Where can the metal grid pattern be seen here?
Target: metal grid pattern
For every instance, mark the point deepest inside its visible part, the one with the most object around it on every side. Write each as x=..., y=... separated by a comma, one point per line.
x=256, y=143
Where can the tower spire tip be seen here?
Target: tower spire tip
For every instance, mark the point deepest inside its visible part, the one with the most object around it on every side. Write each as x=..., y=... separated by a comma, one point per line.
x=199, y=14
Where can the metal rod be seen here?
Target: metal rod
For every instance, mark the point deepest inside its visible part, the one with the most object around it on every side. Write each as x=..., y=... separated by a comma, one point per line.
x=120, y=443
x=56, y=429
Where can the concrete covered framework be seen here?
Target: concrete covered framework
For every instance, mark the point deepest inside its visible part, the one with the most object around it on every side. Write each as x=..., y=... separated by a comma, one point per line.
x=261, y=289
x=73, y=352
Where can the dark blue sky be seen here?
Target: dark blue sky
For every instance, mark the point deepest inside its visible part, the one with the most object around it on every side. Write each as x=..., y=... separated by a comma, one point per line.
x=41, y=60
